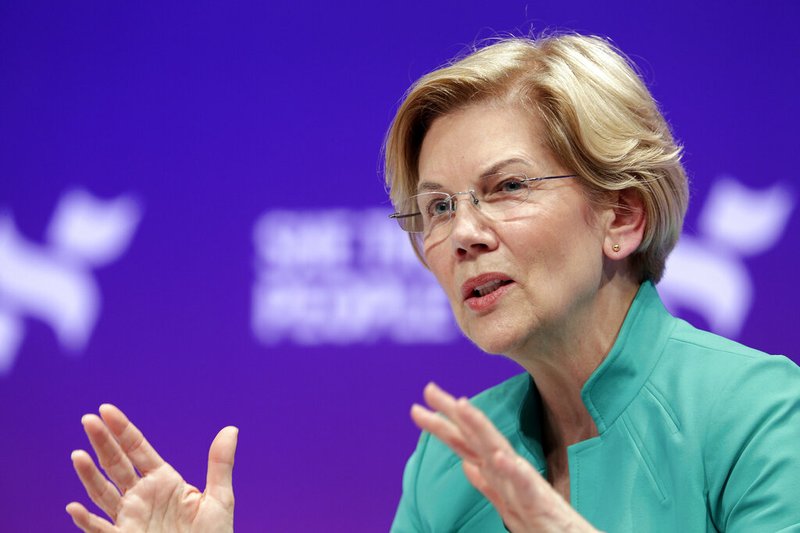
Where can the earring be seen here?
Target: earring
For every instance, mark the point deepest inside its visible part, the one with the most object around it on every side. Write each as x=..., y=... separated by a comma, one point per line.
x=616, y=247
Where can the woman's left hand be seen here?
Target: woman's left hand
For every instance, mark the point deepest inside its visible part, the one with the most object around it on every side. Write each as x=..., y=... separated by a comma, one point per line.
x=522, y=497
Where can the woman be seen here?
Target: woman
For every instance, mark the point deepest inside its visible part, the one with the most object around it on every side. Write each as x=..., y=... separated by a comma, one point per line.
x=542, y=187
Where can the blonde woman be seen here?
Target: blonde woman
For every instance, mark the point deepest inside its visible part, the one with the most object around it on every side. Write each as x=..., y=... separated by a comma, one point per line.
x=542, y=187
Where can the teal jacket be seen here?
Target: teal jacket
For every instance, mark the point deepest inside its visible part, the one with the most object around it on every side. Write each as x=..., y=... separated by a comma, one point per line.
x=696, y=433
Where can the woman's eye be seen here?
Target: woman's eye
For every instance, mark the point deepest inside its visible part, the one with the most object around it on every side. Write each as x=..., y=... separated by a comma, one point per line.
x=438, y=208
x=511, y=185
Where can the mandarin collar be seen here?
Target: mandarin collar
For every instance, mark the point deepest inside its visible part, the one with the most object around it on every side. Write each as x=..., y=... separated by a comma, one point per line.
x=639, y=345
x=619, y=378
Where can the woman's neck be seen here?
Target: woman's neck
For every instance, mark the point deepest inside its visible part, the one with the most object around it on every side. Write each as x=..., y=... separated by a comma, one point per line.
x=562, y=364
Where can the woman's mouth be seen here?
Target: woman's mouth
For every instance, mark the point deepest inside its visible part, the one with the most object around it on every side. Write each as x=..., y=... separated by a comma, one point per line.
x=481, y=292
x=490, y=287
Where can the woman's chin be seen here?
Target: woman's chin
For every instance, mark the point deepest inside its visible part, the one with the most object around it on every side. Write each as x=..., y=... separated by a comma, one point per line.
x=496, y=343
x=496, y=333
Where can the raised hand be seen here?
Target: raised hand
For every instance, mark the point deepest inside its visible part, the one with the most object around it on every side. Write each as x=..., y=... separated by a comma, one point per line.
x=524, y=500
x=143, y=493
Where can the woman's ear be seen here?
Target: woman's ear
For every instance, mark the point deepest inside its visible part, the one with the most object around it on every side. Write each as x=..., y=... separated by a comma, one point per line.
x=625, y=230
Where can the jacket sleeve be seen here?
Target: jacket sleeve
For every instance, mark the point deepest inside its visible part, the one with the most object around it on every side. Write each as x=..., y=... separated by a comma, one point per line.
x=407, y=519
x=752, y=455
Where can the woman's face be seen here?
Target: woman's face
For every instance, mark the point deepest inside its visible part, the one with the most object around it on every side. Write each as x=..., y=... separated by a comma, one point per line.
x=538, y=269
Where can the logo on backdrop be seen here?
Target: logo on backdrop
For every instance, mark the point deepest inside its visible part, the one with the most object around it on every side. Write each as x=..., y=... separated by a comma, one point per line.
x=706, y=273
x=350, y=276
x=342, y=276
x=53, y=281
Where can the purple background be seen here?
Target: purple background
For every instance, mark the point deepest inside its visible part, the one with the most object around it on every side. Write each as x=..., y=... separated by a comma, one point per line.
x=213, y=112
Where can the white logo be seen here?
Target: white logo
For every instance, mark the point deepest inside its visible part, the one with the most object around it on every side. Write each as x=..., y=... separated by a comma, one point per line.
x=53, y=282
x=342, y=276
x=706, y=273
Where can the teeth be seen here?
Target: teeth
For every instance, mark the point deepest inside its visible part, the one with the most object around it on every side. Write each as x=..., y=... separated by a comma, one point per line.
x=486, y=288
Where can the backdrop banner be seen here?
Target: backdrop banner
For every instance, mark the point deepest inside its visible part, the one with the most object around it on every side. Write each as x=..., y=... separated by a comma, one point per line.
x=193, y=226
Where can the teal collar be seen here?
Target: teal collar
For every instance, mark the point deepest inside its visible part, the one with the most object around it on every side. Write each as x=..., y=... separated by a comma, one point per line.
x=639, y=345
x=618, y=379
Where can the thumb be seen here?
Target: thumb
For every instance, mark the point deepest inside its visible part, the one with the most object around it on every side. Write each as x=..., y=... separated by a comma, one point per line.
x=219, y=480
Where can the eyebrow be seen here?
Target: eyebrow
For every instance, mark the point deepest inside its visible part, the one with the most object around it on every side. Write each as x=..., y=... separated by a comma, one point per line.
x=427, y=186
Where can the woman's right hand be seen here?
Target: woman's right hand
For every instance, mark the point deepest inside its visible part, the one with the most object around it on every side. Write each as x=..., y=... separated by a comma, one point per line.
x=142, y=492
x=522, y=497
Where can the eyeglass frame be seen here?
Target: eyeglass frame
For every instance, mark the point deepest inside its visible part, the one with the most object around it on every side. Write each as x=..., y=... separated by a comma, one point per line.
x=451, y=198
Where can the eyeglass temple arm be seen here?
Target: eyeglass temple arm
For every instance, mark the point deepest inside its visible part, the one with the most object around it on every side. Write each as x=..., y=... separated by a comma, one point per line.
x=552, y=177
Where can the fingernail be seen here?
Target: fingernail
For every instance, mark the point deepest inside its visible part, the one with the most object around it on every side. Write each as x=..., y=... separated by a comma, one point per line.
x=418, y=410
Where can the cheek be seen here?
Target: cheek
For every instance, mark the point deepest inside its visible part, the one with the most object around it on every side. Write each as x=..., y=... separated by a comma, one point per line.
x=581, y=259
x=440, y=266
x=545, y=253
x=531, y=244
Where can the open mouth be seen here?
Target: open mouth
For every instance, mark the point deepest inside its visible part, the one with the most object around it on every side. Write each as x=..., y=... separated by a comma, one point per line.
x=488, y=288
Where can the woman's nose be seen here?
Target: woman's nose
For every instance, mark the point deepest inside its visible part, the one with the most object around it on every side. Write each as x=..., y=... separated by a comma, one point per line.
x=471, y=231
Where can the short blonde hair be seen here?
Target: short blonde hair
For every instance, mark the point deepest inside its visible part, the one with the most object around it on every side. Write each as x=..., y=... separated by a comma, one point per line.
x=601, y=122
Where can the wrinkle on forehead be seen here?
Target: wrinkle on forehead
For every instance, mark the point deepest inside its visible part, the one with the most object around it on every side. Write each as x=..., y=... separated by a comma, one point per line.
x=491, y=170
x=476, y=140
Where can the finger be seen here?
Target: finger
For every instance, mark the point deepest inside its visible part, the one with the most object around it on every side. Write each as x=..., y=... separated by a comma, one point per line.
x=444, y=430
x=475, y=427
x=109, y=453
x=139, y=451
x=440, y=400
x=516, y=478
x=474, y=475
x=219, y=480
x=476, y=431
x=88, y=522
x=456, y=410
x=526, y=494
x=445, y=403
x=100, y=490
x=529, y=497
x=479, y=430
x=506, y=489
